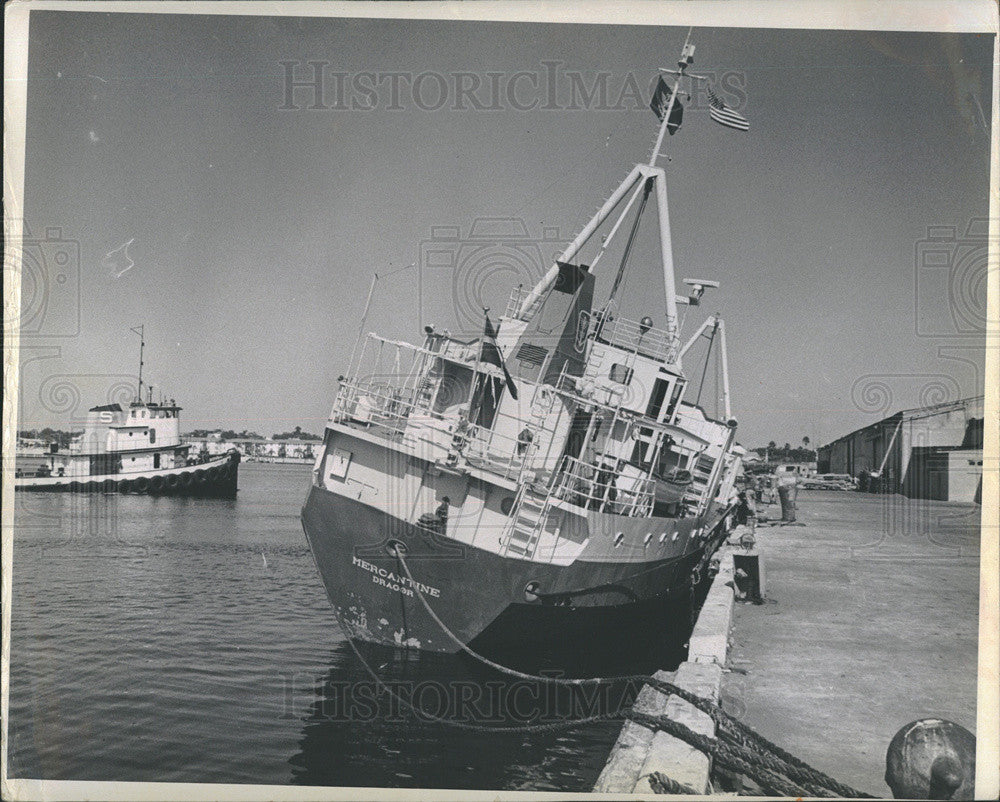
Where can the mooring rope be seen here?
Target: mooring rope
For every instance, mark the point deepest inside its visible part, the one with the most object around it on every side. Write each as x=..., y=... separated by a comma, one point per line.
x=773, y=763
x=768, y=779
x=662, y=784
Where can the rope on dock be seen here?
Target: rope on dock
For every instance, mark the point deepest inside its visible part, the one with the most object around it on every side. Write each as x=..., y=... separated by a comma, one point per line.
x=739, y=748
x=662, y=784
x=765, y=773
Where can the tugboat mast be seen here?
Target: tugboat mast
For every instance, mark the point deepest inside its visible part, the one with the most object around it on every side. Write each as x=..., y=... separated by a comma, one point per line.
x=141, y=331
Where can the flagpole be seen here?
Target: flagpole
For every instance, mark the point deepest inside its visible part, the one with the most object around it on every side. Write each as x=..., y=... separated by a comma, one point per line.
x=364, y=315
x=670, y=106
x=479, y=359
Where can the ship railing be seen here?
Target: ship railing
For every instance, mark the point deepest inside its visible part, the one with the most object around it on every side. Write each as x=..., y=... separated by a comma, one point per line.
x=376, y=403
x=463, y=351
x=500, y=453
x=619, y=492
x=631, y=335
x=584, y=391
x=386, y=386
x=518, y=295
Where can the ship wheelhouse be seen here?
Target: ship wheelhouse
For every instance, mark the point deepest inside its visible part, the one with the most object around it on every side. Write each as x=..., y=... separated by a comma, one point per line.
x=583, y=413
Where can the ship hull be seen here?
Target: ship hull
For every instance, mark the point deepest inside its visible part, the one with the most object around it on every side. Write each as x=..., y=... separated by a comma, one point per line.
x=214, y=479
x=479, y=595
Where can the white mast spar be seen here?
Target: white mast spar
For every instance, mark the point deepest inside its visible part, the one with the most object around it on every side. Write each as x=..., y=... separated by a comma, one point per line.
x=637, y=176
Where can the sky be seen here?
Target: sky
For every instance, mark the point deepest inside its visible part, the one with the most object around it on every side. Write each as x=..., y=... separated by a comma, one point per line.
x=163, y=158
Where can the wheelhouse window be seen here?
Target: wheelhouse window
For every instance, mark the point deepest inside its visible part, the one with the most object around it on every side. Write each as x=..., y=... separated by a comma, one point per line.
x=657, y=397
x=675, y=396
x=621, y=374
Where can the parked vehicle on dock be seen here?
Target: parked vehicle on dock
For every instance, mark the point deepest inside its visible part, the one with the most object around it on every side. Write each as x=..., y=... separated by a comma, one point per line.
x=830, y=481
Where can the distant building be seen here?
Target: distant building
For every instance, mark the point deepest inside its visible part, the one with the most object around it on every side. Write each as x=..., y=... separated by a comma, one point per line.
x=259, y=450
x=931, y=453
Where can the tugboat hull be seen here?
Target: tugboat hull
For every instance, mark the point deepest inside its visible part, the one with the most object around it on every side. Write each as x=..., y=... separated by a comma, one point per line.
x=214, y=479
x=483, y=598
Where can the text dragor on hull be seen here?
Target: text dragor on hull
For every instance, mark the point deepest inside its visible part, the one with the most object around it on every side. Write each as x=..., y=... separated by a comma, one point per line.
x=551, y=480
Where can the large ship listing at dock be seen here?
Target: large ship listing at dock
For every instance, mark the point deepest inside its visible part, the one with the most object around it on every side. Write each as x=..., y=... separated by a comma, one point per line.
x=130, y=448
x=552, y=481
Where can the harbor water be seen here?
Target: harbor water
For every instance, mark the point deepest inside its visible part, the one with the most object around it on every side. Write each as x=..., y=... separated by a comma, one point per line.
x=190, y=640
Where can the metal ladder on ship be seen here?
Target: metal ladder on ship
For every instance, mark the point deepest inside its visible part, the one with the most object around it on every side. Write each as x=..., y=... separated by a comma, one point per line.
x=701, y=477
x=527, y=519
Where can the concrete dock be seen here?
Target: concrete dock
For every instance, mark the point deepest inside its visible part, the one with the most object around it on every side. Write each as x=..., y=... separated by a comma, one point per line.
x=639, y=751
x=871, y=622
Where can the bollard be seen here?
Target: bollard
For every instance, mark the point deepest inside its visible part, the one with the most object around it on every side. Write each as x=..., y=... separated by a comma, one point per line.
x=748, y=578
x=931, y=759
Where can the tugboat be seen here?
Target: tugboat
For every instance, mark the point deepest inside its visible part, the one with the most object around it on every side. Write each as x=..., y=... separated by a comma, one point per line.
x=548, y=483
x=133, y=449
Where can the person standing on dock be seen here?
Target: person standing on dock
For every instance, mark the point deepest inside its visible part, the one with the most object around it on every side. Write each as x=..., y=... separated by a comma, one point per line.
x=788, y=490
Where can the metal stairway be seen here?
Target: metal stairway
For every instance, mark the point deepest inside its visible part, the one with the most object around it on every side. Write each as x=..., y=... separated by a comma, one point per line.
x=701, y=478
x=527, y=519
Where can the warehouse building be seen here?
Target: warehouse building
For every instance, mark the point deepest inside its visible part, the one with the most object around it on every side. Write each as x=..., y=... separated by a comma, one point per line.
x=932, y=452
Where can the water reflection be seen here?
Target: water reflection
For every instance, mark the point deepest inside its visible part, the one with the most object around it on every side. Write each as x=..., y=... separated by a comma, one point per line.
x=394, y=718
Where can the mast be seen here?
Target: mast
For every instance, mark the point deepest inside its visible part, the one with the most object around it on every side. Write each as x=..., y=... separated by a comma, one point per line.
x=711, y=328
x=641, y=179
x=687, y=58
x=725, y=370
x=364, y=315
x=141, y=331
x=708, y=357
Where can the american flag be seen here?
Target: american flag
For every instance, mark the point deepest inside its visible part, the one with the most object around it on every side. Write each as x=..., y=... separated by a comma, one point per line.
x=724, y=115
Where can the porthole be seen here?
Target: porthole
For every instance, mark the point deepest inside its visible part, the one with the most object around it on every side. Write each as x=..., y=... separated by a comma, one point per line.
x=663, y=536
x=506, y=505
x=619, y=538
x=674, y=536
x=645, y=540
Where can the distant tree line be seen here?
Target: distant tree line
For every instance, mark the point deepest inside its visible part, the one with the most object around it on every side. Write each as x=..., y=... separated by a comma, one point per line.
x=47, y=435
x=772, y=452
x=297, y=434
x=229, y=434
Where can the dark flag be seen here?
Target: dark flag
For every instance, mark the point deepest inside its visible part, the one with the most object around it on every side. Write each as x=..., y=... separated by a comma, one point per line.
x=661, y=98
x=570, y=277
x=490, y=352
x=724, y=115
